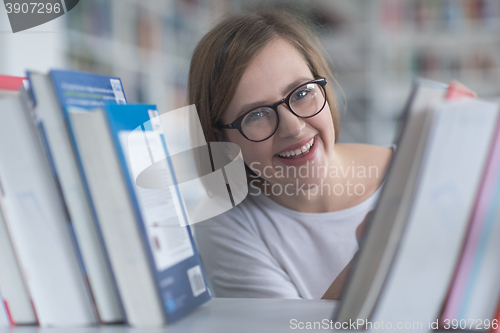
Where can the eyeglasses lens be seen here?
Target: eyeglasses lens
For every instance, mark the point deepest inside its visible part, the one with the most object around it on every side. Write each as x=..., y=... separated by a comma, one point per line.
x=259, y=124
x=305, y=101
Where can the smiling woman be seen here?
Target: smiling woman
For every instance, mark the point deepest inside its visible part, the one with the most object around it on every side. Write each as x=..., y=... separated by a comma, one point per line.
x=259, y=80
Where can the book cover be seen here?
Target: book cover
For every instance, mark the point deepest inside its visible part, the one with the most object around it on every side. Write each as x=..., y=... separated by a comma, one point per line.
x=38, y=223
x=11, y=83
x=380, y=243
x=137, y=133
x=455, y=156
x=52, y=95
x=475, y=290
x=16, y=297
x=86, y=90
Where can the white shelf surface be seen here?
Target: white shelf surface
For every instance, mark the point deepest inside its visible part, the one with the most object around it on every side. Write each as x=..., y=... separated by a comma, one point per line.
x=226, y=315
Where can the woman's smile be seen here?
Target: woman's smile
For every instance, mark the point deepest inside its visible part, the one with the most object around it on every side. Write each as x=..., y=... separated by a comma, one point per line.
x=300, y=153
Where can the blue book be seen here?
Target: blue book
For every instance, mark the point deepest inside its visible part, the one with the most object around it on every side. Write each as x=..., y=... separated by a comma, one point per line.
x=52, y=94
x=142, y=216
x=86, y=90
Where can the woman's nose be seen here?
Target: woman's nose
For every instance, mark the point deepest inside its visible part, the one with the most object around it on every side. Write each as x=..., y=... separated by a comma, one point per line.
x=289, y=124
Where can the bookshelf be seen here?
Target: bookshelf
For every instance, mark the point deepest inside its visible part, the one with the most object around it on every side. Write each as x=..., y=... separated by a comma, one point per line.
x=378, y=47
x=439, y=40
x=39, y=48
x=146, y=43
x=242, y=315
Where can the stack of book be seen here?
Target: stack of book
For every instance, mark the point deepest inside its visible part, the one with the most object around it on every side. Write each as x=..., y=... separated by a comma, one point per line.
x=429, y=256
x=82, y=244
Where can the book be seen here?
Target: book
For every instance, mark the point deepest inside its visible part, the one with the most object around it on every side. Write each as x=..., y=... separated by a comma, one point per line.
x=408, y=253
x=388, y=220
x=4, y=315
x=38, y=222
x=496, y=328
x=150, y=246
x=455, y=156
x=52, y=94
x=9, y=85
x=475, y=290
x=16, y=297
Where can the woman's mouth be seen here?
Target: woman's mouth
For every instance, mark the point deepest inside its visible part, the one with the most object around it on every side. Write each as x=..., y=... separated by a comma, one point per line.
x=299, y=152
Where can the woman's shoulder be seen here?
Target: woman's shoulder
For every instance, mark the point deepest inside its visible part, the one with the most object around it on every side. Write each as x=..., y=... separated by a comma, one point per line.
x=370, y=163
x=367, y=155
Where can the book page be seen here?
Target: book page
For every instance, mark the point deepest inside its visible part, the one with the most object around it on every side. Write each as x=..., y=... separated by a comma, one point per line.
x=168, y=240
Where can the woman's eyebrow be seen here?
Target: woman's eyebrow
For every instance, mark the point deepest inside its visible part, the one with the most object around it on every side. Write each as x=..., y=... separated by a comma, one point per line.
x=251, y=106
x=286, y=90
x=295, y=84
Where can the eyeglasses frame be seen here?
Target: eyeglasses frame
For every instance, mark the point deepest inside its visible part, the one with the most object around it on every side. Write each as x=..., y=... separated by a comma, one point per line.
x=236, y=124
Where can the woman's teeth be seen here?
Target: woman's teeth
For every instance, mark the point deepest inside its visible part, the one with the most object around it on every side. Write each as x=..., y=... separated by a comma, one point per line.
x=298, y=151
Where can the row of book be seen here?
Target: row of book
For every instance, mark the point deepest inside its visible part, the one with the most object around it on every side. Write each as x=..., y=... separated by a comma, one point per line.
x=478, y=64
x=430, y=254
x=81, y=243
x=452, y=16
x=166, y=27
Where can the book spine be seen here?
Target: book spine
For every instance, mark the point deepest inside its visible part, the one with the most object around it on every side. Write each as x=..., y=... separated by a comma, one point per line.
x=7, y=311
x=42, y=135
x=96, y=80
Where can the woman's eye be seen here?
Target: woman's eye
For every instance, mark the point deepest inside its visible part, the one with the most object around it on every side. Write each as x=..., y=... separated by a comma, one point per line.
x=256, y=115
x=301, y=94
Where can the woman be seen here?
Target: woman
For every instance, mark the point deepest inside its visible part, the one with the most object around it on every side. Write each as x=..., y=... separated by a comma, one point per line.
x=258, y=80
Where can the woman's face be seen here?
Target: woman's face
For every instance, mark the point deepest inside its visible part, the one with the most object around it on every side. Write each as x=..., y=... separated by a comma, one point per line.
x=276, y=71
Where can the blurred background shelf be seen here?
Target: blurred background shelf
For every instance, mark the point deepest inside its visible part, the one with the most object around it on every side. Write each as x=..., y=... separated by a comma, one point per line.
x=376, y=48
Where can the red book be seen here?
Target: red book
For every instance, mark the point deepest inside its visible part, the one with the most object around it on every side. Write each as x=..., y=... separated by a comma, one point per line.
x=11, y=83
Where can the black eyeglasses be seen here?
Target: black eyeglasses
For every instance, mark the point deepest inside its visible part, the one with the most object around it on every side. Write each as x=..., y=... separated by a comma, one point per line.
x=261, y=123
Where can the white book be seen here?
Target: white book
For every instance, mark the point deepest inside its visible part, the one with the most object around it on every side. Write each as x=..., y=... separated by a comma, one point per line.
x=455, y=156
x=54, y=128
x=39, y=223
x=154, y=258
x=388, y=221
x=4, y=317
x=12, y=282
x=117, y=220
x=475, y=290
